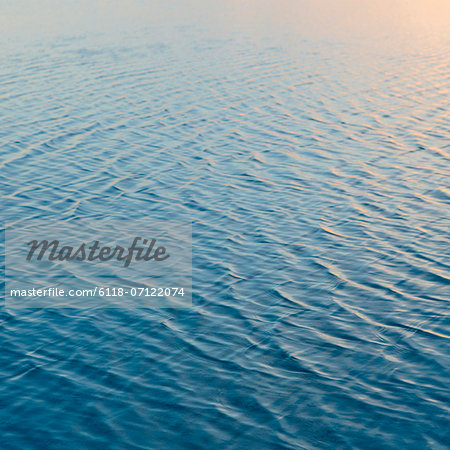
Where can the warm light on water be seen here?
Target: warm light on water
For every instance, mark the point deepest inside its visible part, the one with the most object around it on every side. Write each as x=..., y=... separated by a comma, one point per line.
x=308, y=142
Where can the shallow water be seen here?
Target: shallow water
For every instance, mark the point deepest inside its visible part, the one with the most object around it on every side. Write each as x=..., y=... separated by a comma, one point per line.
x=309, y=146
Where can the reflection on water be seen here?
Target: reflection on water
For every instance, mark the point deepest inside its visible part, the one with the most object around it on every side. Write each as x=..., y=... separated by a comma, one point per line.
x=308, y=143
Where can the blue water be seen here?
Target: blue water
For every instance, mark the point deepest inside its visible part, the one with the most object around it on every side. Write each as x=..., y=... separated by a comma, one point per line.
x=309, y=146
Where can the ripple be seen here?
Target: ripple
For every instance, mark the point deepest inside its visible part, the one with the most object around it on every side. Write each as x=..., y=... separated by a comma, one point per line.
x=315, y=172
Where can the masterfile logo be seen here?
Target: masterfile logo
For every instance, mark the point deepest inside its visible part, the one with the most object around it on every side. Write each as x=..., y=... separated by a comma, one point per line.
x=98, y=264
x=95, y=252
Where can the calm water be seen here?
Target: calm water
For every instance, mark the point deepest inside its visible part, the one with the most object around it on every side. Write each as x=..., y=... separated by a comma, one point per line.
x=309, y=145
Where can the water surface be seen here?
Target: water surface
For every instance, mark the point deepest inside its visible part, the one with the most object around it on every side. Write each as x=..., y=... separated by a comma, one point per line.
x=309, y=145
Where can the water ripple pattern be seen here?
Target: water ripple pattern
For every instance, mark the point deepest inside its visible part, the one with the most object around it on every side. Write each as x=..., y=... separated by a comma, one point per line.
x=315, y=170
